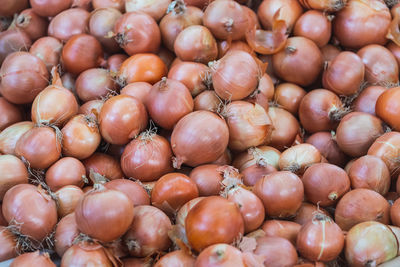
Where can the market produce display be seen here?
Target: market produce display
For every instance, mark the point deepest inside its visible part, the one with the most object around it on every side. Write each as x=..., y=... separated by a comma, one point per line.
x=200, y=133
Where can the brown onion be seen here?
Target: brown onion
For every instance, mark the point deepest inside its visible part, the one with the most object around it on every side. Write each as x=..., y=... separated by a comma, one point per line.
x=13, y=172
x=191, y=74
x=395, y=49
x=329, y=52
x=50, y=8
x=208, y=179
x=281, y=193
x=10, y=136
x=133, y=190
x=29, y=22
x=361, y=205
x=276, y=251
x=67, y=199
x=35, y=220
x=66, y=232
x=255, y=172
x=307, y=212
x=115, y=61
x=286, y=127
x=148, y=233
x=290, y=11
x=100, y=208
x=121, y=118
x=387, y=147
x=47, y=49
x=366, y=100
x=13, y=40
x=94, y=84
x=298, y=158
x=36, y=258
x=395, y=213
x=66, y=171
x=288, y=96
x=280, y=228
x=140, y=90
x=68, y=23
x=257, y=155
x=264, y=92
x=92, y=109
x=10, y=113
x=104, y=165
x=156, y=9
x=326, y=143
x=192, y=147
x=176, y=258
x=221, y=255
x=207, y=100
x=315, y=26
x=8, y=244
x=325, y=184
x=117, y=4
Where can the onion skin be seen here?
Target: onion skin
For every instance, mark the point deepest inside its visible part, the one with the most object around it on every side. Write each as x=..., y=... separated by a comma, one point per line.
x=361, y=205
x=117, y=4
x=133, y=190
x=39, y=146
x=361, y=23
x=191, y=147
x=34, y=258
x=10, y=114
x=370, y=243
x=387, y=106
x=50, y=8
x=277, y=251
x=299, y=157
x=177, y=258
x=94, y=84
x=47, y=49
x=326, y=144
x=325, y=184
x=13, y=172
x=148, y=232
x=69, y=23
x=221, y=255
x=37, y=219
x=92, y=109
x=386, y=148
x=121, y=118
x=103, y=164
x=255, y=172
x=281, y=193
x=66, y=232
x=290, y=12
x=65, y=171
x=8, y=244
x=289, y=96
x=140, y=90
x=67, y=199
x=34, y=25
x=394, y=213
x=254, y=156
x=299, y=62
x=205, y=223
x=115, y=61
x=356, y=133
x=283, y=229
x=97, y=209
x=23, y=77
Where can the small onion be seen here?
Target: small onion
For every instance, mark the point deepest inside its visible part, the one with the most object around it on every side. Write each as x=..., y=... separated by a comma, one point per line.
x=208, y=179
x=221, y=255
x=288, y=96
x=361, y=205
x=307, y=212
x=31, y=23
x=276, y=251
x=92, y=109
x=94, y=84
x=68, y=23
x=255, y=172
x=67, y=199
x=10, y=113
x=290, y=11
x=104, y=165
x=315, y=26
x=13, y=172
x=299, y=157
x=115, y=61
x=65, y=171
x=133, y=190
x=47, y=49
x=33, y=259
x=207, y=100
x=285, y=128
x=66, y=232
x=366, y=100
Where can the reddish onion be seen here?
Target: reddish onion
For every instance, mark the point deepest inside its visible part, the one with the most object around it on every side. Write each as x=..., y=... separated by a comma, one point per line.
x=47, y=49
x=329, y=52
x=299, y=157
x=366, y=100
x=50, y=8
x=326, y=143
x=13, y=40
x=35, y=220
x=370, y=243
x=133, y=190
x=13, y=172
x=321, y=239
x=264, y=92
x=324, y=5
x=8, y=244
x=315, y=26
x=121, y=118
x=168, y=101
x=29, y=22
x=67, y=199
x=255, y=172
x=66, y=232
x=156, y=9
x=307, y=212
x=395, y=49
x=289, y=96
x=191, y=74
x=148, y=233
x=285, y=128
x=192, y=147
x=361, y=205
x=69, y=23
x=276, y=251
x=104, y=165
x=94, y=84
x=147, y=157
x=10, y=136
x=10, y=113
x=23, y=77
x=66, y=171
x=325, y=184
x=36, y=258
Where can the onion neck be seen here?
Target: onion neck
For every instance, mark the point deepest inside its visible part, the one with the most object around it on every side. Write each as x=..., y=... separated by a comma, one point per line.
x=177, y=7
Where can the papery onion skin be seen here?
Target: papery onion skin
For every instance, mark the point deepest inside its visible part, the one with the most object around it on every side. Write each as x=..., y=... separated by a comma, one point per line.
x=50, y=8
x=253, y=156
x=361, y=205
x=97, y=209
x=192, y=147
x=65, y=171
x=221, y=255
x=121, y=118
x=115, y=61
x=33, y=259
x=65, y=234
x=47, y=49
x=13, y=40
x=67, y=199
x=91, y=108
x=10, y=114
x=13, y=172
x=255, y=172
x=23, y=77
x=281, y=193
x=37, y=219
x=307, y=212
x=277, y=251
x=103, y=164
x=148, y=232
x=326, y=143
x=40, y=146
x=366, y=100
x=387, y=107
x=290, y=12
x=133, y=190
x=69, y=23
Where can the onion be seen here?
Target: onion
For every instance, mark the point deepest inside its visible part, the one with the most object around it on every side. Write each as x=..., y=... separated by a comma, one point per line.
x=66, y=171
x=81, y=52
x=140, y=90
x=137, y=262
x=35, y=220
x=221, y=255
x=69, y=23
x=184, y=210
x=10, y=113
x=315, y=26
x=13, y=40
x=36, y=258
x=321, y=239
x=92, y=109
x=290, y=11
x=13, y=172
x=362, y=23
x=321, y=110
x=386, y=107
x=148, y=233
x=325, y=184
x=288, y=96
x=40, y=146
x=114, y=62
x=249, y=125
x=179, y=18
x=147, y=158
x=100, y=208
x=208, y=179
x=117, y=4
x=168, y=101
x=366, y=100
x=257, y=155
x=156, y=9
x=206, y=224
x=137, y=32
x=299, y=62
x=68, y=81
x=207, y=100
x=370, y=243
x=264, y=92
x=173, y=190
x=8, y=244
x=394, y=213
x=23, y=77
x=276, y=251
x=356, y=133
x=67, y=199
x=281, y=193
x=133, y=190
x=250, y=206
x=329, y=52
x=191, y=74
x=326, y=143
x=235, y=76
x=370, y=172
x=299, y=157
x=101, y=24
x=394, y=48
x=10, y=136
x=47, y=49
x=284, y=229
x=387, y=147
x=192, y=146
x=361, y=205
x=324, y=5
x=29, y=22
x=121, y=118
x=94, y=84
x=104, y=165
x=86, y=254
x=344, y=75
x=286, y=127
x=307, y=212
x=142, y=67
x=176, y=258
x=50, y=8
x=66, y=232
x=255, y=172
x=9, y=8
